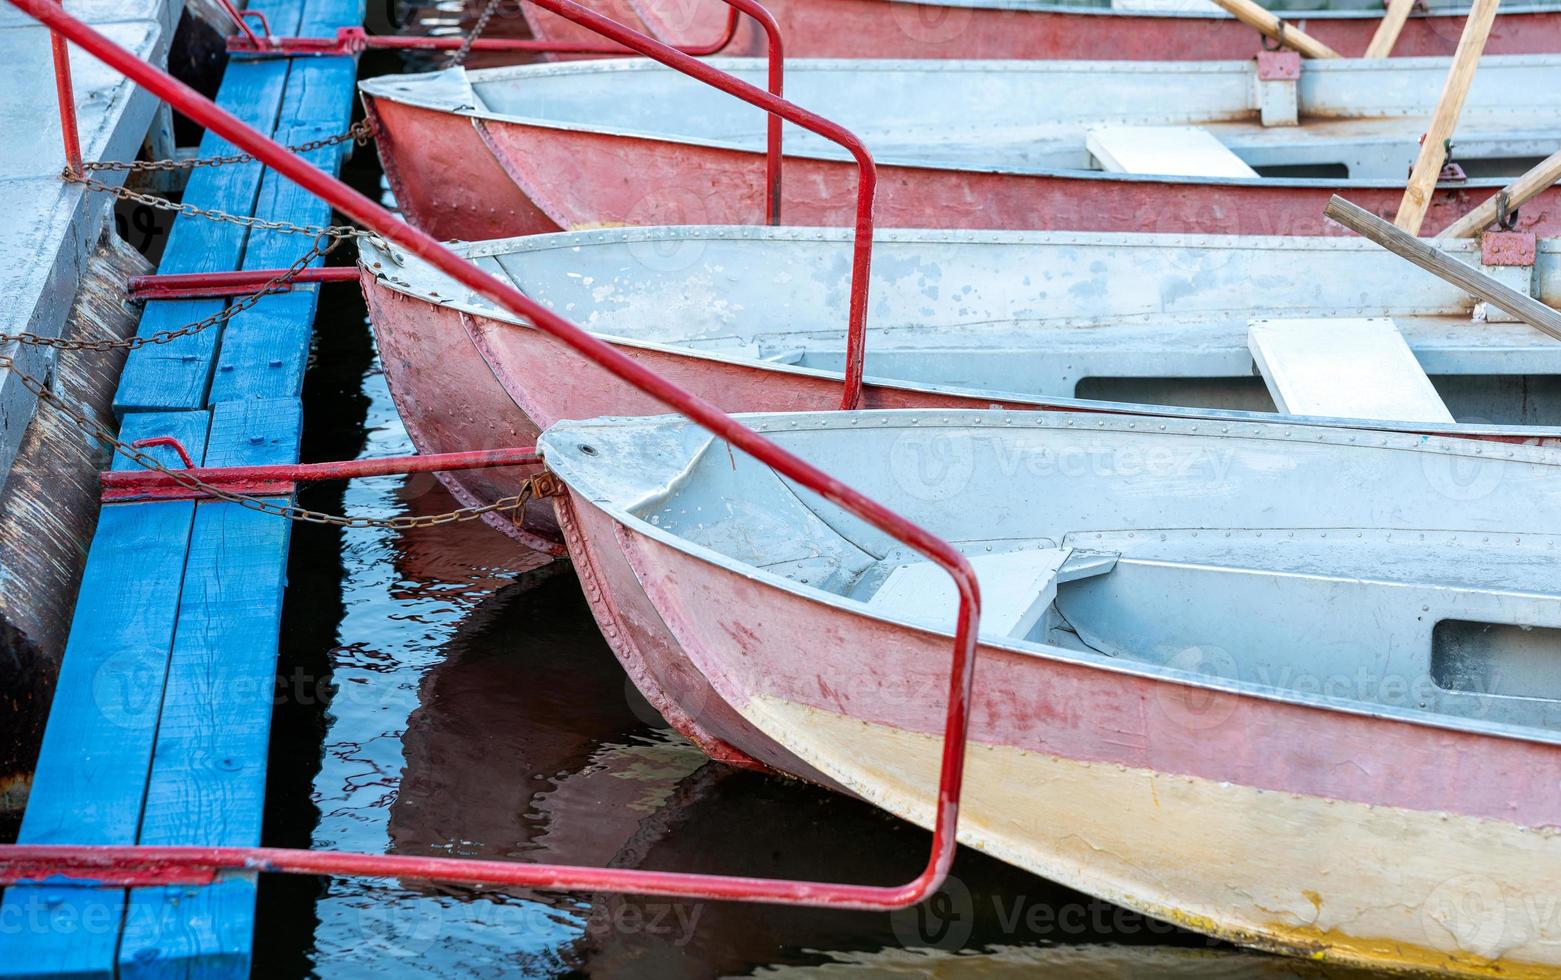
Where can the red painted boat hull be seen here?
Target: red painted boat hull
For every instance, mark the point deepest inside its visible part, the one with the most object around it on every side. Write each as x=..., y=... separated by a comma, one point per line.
x=446, y=396
x=562, y=179
x=1155, y=758
x=885, y=29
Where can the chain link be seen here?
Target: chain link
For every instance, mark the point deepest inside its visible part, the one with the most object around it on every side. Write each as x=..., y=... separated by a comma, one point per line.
x=323, y=246
x=459, y=57
x=326, y=239
x=248, y=221
x=511, y=504
x=360, y=134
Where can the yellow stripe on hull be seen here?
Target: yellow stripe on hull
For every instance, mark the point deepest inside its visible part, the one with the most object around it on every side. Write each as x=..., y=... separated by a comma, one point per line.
x=1373, y=886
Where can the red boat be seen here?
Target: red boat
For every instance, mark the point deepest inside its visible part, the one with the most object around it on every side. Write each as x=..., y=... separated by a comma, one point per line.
x=1020, y=145
x=1341, y=772
x=753, y=319
x=1029, y=29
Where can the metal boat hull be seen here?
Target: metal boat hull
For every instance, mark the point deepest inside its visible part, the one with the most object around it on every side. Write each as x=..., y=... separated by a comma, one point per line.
x=469, y=172
x=447, y=397
x=1118, y=319
x=887, y=29
x=1406, y=845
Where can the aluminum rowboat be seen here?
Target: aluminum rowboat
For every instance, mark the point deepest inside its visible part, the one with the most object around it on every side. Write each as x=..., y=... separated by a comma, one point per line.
x=1193, y=31
x=970, y=144
x=753, y=319
x=1272, y=683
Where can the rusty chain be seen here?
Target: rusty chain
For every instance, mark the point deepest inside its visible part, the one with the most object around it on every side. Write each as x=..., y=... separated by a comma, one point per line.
x=360, y=133
x=292, y=512
x=327, y=238
x=464, y=51
x=323, y=246
x=123, y=193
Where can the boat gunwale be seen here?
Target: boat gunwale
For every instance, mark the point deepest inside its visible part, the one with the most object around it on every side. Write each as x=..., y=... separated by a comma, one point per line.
x=1196, y=13
x=382, y=87
x=569, y=240
x=563, y=463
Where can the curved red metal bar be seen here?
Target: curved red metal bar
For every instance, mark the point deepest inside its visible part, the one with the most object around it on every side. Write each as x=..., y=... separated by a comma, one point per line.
x=237, y=16
x=119, y=486
x=867, y=179
x=65, y=94
x=133, y=865
x=775, y=51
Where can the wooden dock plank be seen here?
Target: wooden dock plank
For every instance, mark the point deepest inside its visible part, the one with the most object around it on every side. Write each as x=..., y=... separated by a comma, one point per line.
x=266, y=351
x=208, y=779
x=267, y=355
x=208, y=775
x=97, y=748
x=178, y=374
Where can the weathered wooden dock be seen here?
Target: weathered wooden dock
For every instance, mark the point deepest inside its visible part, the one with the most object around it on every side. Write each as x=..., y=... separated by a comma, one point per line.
x=160, y=720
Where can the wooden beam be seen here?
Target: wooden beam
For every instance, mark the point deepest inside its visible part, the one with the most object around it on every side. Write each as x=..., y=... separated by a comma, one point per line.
x=1525, y=188
x=1256, y=16
x=1437, y=262
x=1387, y=32
x=1433, y=151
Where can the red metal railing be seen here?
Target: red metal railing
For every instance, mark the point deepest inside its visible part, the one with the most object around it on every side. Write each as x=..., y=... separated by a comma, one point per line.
x=135, y=865
x=65, y=94
x=190, y=285
x=243, y=25
x=778, y=108
x=355, y=39
x=120, y=486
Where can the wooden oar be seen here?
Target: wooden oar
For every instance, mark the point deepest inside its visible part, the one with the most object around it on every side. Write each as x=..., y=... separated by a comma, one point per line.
x=1258, y=17
x=1387, y=32
x=1437, y=262
x=1433, y=151
x=1525, y=188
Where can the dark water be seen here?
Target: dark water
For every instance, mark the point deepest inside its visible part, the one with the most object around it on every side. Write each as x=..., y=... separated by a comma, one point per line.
x=437, y=699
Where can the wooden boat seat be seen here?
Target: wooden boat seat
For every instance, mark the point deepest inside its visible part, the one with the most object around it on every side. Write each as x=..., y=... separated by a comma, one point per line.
x=1358, y=368
x=1181, y=151
x=1017, y=587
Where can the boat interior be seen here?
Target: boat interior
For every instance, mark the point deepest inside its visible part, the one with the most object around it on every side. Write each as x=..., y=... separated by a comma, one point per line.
x=1360, y=120
x=1242, y=556
x=1147, y=319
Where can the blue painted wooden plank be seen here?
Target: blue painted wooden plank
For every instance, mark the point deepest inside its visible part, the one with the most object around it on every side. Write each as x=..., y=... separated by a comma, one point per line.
x=97, y=748
x=175, y=375
x=178, y=374
x=266, y=356
x=322, y=17
x=209, y=773
x=266, y=350
x=281, y=199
